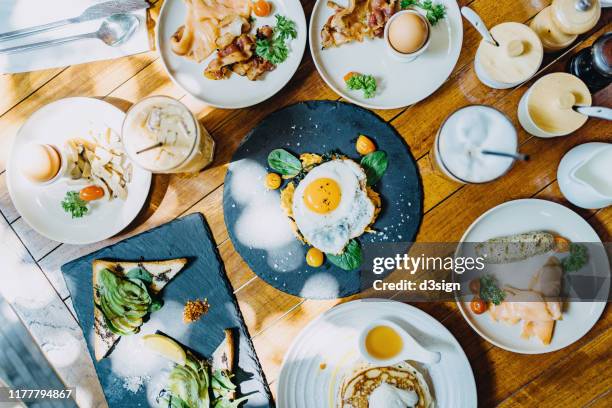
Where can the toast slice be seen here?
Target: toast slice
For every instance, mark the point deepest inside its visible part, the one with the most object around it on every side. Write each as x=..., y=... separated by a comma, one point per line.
x=162, y=272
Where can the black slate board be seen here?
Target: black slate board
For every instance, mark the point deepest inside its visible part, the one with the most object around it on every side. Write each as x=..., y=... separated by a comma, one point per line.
x=320, y=127
x=204, y=276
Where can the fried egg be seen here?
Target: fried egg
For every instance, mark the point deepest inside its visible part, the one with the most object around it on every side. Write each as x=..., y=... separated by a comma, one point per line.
x=331, y=205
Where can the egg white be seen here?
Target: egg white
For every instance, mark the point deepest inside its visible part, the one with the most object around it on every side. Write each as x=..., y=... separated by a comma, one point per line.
x=331, y=232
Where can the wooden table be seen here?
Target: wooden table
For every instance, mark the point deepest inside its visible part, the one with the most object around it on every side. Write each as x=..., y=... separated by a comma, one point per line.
x=578, y=375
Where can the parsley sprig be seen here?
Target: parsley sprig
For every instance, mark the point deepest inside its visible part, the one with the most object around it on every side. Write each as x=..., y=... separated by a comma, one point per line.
x=362, y=81
x=434, y=12
x=489, y=291
x=74, y=205
x=275, y=49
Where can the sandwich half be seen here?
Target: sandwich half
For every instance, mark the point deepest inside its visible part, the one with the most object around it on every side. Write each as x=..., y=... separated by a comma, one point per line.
x=124, y=294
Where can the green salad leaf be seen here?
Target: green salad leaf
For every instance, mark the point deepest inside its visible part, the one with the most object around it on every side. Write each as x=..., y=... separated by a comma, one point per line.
x=577, y=258
x=433, y=12
x=74, y=205
x=275, y=49
x=375, y=165
x=350, y=259
x=365, y=82
x=141, y=274
x=284, y=162
x=489, y=291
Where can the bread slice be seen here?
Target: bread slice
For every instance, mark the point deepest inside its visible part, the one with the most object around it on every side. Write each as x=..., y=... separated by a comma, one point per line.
x=162, y=272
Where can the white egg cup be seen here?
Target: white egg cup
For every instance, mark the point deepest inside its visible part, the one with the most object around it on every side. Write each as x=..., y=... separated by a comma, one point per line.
x=61, y=172
x=400, y=56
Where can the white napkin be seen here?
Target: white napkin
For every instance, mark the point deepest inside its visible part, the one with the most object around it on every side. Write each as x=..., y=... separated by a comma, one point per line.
x=17, y=14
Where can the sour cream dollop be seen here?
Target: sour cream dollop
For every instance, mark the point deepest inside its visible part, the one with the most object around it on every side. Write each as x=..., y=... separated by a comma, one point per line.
x=388, y=396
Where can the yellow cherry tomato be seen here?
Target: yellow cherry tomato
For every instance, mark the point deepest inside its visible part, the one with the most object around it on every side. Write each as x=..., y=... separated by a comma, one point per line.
x=314, y=257
x=273, y=181
x=364, y=145
x=262, y=8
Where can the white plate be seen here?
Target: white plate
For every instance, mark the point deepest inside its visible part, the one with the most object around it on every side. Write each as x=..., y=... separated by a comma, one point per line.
x=331, y=339
x=236, y=91
x=527, y=215
x=399, y=84
x=40, y=205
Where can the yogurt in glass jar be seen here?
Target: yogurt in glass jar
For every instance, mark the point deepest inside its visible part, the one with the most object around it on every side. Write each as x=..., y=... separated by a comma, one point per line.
x=160, y=134
x=465, y=135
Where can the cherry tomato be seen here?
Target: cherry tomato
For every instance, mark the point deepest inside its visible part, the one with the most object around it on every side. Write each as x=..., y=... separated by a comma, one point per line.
x=91, y=193
x=262, y=8
x=273, y=181
x=364, y=145
x=475, y=286
x=314, y=257
x=350, y=75
x=478, y=306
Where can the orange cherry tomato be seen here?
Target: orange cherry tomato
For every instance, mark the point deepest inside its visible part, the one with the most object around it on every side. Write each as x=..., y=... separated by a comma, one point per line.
x=350, y=75
x=478, y=306
x=91, y=193
x=364, y=145
x=262, y=8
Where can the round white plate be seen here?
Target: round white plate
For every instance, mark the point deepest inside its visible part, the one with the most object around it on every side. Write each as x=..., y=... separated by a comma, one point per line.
x=399, y=84
x=236, y=91
x=527, y=215
x=40, y=206
x=331, y=339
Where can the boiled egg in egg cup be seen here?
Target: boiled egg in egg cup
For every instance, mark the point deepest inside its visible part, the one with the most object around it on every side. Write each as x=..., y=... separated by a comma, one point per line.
x=385, y=343
x=407, y=35
x=41, y=164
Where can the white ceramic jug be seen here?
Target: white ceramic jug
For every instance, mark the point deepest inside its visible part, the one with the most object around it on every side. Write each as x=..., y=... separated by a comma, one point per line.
x=585, y=175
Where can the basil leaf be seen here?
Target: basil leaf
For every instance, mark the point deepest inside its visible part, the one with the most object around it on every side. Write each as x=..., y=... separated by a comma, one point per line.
x=375, y=164
x=140, y=274
x=284, y=162
x=156, y=304
x=350, y=259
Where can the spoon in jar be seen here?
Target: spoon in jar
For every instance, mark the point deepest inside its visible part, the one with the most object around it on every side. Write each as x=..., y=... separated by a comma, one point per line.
x=474, y=19
x=114, y=31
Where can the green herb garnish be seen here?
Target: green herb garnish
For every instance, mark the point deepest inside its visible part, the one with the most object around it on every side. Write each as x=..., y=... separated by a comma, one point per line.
x=275, y=49
x=365, y=82
x=434, y=12
x=284, y=162
x=74, y=205
x=577, y=258
x=350, y=259
x=375, y=164
x=489, y=291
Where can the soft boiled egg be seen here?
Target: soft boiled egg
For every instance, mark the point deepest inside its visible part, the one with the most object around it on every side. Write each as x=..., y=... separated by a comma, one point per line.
x=331, y=205
x=39, y=162
x=408, y=32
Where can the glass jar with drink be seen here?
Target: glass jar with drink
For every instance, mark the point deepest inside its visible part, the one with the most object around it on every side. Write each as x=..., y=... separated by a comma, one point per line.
x=475, y=144
x=162, y=135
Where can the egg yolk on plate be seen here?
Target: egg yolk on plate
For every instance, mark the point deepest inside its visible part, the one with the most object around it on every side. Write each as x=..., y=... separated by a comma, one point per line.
x=322, y=195
x=383, y=342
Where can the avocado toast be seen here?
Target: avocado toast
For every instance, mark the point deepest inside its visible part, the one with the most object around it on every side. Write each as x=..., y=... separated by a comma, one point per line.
x=125, y=293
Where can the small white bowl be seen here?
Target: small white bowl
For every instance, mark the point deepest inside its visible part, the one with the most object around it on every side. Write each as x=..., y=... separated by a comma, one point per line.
x=400, y=56
x=60, y=172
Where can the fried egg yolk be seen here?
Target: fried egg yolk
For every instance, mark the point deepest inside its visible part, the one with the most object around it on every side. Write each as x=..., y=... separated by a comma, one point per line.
x=322, y=195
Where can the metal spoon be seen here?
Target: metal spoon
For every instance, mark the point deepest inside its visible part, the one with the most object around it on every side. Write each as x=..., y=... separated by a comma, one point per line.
x=600, y=112
x=471, y=16
x=515, y=156
x=115, y=30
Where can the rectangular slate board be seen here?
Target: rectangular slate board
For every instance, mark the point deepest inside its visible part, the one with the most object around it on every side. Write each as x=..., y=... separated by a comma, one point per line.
x=204, y=276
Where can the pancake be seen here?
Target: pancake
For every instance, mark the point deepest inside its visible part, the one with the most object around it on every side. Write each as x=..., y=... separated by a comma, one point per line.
x=364, y=379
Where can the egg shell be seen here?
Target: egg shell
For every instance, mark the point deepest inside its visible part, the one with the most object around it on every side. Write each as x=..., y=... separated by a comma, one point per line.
x=408, y=33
